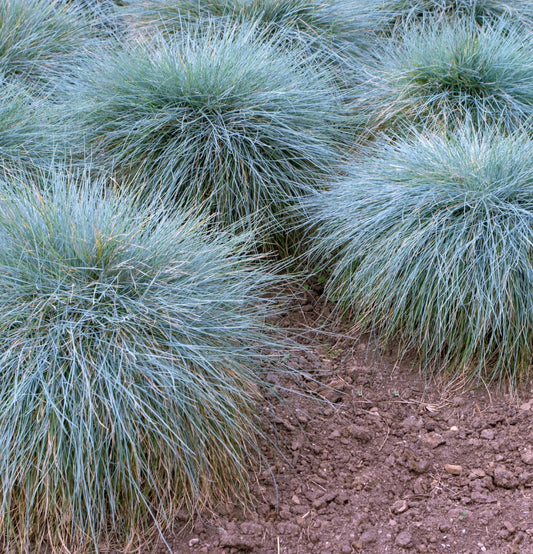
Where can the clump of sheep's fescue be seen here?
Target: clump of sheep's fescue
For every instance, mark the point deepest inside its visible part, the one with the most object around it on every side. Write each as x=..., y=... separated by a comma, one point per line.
x=225, y=120
x=438, y=74
x=430, y=242
x=133, y=347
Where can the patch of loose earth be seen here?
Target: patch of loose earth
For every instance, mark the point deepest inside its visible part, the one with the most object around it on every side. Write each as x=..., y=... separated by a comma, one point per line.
x=389, y=466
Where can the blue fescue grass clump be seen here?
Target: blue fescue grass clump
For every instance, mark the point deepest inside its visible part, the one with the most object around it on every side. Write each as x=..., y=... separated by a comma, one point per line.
x=102, y=14
x=221, y=119
x=28, y=131
x=334, y=25
x=430, y=241
x=132, y=350
x=39, y=38
x=384, y=15
x=438, y=73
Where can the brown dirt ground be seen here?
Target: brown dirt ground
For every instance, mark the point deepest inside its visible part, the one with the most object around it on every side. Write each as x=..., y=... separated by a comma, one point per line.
x=390, y=466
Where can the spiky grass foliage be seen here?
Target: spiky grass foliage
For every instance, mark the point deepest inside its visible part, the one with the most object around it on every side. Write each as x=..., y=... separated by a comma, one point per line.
x=39, y=37
x=102, y=14
x=334, y=25
x=28, y=131
x=385, y=14
x=430, y=242
x=439, y=73
x=132, y=346
x=228, y=121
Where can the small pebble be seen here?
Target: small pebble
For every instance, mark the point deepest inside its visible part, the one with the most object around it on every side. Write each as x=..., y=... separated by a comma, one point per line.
x=368, y=537
x=453, y=469
x=404, y=539
x=487, y=434
x=400, y=506
x=504, y=478
x=433, y=440
x=509, y=526
x=527, y=455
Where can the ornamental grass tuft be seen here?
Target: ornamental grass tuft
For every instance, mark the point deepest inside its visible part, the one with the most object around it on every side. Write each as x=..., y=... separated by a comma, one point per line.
x=28, y=131
x=102, y=14
x=440, y=73
x=335, y=25
x=133, y=347
x=225, y=120
x=430, y=242
x=385, y=14
x=39, y=38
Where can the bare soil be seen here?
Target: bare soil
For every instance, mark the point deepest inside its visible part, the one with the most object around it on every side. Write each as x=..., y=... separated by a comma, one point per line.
x=391, y=465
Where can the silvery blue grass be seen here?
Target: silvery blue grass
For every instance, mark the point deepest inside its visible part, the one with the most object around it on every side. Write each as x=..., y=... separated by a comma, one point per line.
x=132, y=350
x=219, y=119
x=430, y=242
x=385, y=14
x=39, y=38
x=440, y=73
x=28, y=130
x=335, y=25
